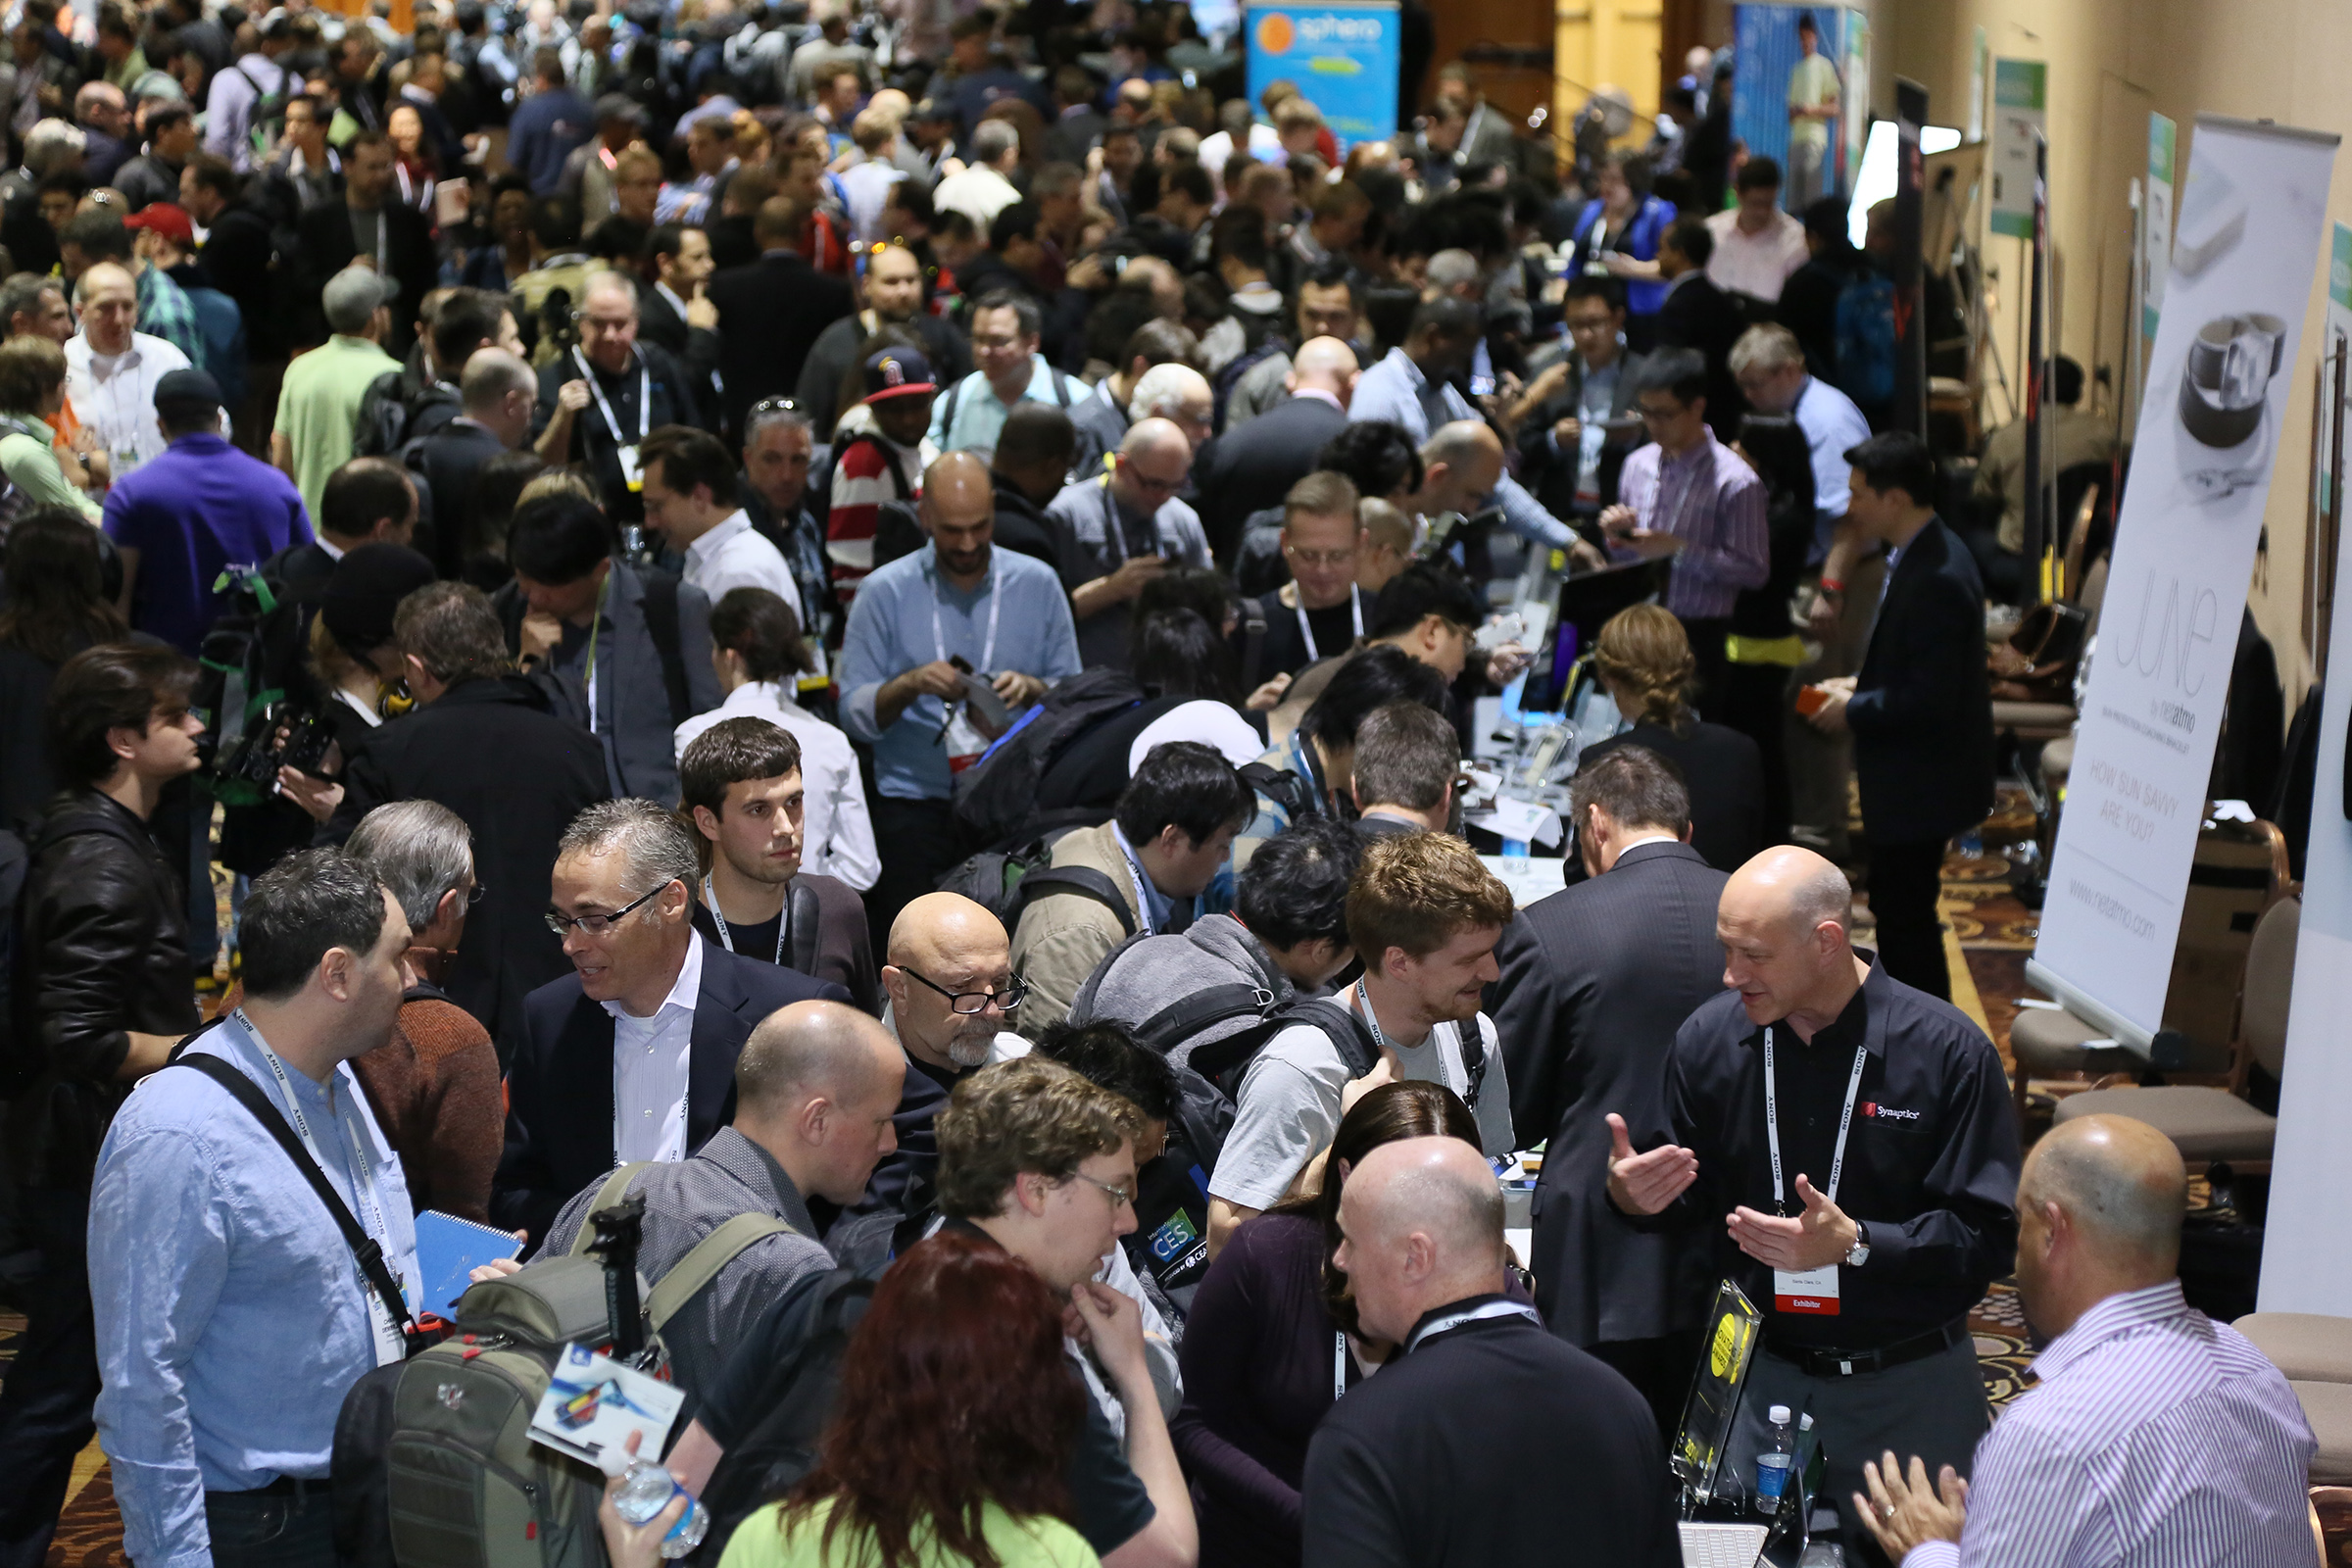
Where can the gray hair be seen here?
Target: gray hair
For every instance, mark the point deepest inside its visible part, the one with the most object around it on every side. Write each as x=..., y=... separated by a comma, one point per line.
x=654, y=844
x=991, y=139
x=418, y=850
x=1767, y=347
x=762, y=420
x=1451, y=269
x=20, y=294
x=49, y=142
x=1160, y=391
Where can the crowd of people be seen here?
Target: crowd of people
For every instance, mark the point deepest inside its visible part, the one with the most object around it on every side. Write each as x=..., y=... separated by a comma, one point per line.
x=872, y=618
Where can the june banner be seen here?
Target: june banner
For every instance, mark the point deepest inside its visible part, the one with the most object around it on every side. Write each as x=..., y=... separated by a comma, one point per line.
x=2252, y=216
x=1343, y=56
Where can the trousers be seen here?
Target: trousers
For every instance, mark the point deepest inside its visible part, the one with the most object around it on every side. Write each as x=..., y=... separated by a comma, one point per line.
x=1905, y=882
x=289, y=1526
x=45, y=1407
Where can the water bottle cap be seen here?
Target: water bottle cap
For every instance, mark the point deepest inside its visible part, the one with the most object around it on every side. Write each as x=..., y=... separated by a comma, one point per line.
x=1778, y=1415
x=1804, y=1423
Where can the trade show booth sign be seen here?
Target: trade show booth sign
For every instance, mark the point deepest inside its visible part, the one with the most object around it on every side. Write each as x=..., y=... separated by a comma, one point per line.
x=1343, y=56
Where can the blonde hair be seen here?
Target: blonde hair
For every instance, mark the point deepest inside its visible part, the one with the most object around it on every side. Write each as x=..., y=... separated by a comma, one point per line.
x=1646, y=650
x=556, y=482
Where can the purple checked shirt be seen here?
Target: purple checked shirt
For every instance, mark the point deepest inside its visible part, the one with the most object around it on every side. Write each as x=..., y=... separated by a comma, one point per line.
x=1711, y=500
x=2157, y=1439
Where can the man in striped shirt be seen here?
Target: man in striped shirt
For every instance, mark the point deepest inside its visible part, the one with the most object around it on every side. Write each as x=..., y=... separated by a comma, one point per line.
x=1688, y=495
x=2156, y=1437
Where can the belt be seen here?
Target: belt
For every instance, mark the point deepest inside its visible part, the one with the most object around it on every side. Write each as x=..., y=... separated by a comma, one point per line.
x=1815, y=1361
x=283, y=1486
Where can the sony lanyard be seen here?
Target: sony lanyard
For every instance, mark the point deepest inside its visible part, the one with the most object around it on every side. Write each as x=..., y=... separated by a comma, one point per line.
x=996, y=603
x=1355, y=607
x=1772, y=1124
x=1461, y=1048
x=1471, y=1314
x=726, y=938
x=645, y=399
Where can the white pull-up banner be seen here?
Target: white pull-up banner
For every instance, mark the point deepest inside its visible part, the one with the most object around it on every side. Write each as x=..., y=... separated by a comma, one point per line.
x=2250, y=224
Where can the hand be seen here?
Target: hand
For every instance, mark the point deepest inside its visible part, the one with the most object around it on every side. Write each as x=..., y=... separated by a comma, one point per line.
x=542, y=634
x=316, y=797
x=1829, y=716
x=1903, y=1514
x=1114, y=1327
x=631, y=1545
x=700, y=311
x=1645, y=1184
x=100, y=466
x=1618, y=521
x=1134, y=572
x=1649, y=544
x=1621, y=264
x=1584, y=556
x=1568, y=433
x=572, y=397
x=1821, y=616
x=1017, y=690
x=1087, y=274
x=1507, y=662
x=495, y=1268
x=939, y=678
x=1815, y=1239
x=1269, y=697
x=1383, y=1071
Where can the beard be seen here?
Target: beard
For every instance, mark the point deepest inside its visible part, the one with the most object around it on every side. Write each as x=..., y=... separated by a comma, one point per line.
x=968, y=1046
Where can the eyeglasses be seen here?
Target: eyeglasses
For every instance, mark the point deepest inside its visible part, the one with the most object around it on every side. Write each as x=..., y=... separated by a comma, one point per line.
x=1650, y=416
x=970, y=1003
x=1120, y=1197
x=473, y=895
x=596, y=925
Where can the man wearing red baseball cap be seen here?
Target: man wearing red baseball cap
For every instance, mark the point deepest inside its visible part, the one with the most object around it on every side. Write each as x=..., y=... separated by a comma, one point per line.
x=163, y=249
x=883, y=450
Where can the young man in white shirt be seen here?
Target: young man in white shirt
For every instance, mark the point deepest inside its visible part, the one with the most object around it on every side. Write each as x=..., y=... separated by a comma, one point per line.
x=689, y=501
x=1757, y=246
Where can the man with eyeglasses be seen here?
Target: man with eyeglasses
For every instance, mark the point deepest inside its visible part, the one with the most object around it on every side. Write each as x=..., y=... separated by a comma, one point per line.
x=1007, y=329
x=1575, y=439
x=631, y=1056
x=599, y=401
x=1121, y=530
x=1320, y=613
x=892, y=293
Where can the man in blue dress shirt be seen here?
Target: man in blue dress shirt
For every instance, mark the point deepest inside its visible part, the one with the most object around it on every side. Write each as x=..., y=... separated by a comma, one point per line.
x=232, y=1314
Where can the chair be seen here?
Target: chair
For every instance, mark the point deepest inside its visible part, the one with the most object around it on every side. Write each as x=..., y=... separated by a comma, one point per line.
x=2315, y=1353
x=2212, y=1126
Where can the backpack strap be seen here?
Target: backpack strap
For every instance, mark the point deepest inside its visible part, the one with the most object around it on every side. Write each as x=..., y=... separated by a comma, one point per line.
x=1341, y=1025
x=1283, y=787
x=701, y=1265
x=804, y=919
x=1061, y=388
x=662, y=619
x=1083, y=880
x=947, y=418
x=1473, y=1060
x=1254, y=642
x=890, y=463
x=615, y=1188
x=1176, y=1022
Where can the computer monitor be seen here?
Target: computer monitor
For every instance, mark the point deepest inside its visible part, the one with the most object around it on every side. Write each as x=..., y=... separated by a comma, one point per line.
x=1588, y=601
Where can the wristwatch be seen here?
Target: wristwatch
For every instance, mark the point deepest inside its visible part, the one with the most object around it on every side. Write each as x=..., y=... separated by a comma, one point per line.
x=1860, y=1252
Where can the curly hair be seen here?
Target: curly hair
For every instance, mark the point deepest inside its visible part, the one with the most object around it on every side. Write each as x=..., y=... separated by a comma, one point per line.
x=963, y=1399
x=1646, y=650
x=1418, y=892
x=1026, y=1116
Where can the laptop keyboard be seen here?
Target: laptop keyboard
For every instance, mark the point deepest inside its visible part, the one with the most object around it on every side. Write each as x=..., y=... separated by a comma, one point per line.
x=1706, y=1546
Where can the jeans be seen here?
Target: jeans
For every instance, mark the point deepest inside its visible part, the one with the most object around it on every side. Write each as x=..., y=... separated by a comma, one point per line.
x=1905, y=881
x=289, y=1526
x=53, y=1384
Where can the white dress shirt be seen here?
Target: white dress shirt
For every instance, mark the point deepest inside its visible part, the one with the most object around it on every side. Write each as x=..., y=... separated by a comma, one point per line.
x=113, y=395
x=1755, y=264
x=734, y=554
x=836, y=834
x=652, y=1062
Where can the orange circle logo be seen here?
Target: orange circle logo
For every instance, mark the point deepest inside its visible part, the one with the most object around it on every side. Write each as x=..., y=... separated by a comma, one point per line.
x=1275, y=34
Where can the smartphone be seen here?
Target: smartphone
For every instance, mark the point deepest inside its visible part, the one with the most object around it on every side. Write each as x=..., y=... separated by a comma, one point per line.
x=1810, y=700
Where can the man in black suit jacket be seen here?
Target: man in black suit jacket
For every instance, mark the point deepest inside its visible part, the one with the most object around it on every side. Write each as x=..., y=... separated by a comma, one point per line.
x=631, y=1056
x=486, y=747
x=770, y=313
x=366, y=502
x=1595, y=982
x=1028, y=469
x=1699, y=316
x=497, y=392
x=1254, y=465
x=1921, y=709
x=671, y=311
x=400, y=245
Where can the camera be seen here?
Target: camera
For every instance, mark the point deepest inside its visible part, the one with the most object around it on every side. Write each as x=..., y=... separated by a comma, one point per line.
x=286, y=736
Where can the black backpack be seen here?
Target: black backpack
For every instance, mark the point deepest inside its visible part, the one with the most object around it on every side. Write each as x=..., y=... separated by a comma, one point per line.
x=390, y=416
x=997, y=796
x=1006, y=879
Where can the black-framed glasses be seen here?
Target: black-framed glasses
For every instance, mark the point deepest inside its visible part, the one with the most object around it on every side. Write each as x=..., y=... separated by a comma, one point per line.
x=969, y=1003
x=596, y=925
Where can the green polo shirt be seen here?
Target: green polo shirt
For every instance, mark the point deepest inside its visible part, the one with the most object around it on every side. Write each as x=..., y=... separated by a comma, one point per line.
x=319, y=407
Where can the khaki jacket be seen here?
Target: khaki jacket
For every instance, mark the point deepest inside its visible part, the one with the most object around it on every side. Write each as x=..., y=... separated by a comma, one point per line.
x=1062, y=937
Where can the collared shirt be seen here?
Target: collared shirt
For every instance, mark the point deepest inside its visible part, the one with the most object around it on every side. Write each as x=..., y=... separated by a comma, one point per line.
x=979, y=192
x=113, y=395
x=651, y=1063
x=906, y=614
x=979, y=413
x=198, y=507
x=732, y=555
x=1712, y=501
x=1158, y=906
x=685, y=1202
x=1596, y=399
x=837, y=833
x=1092, y=549
x=164, y=311
x=319, y=406
x=1931, y=1160
x=688, y=202
x=2155, y=1439
x=211, y=1255
x=1832, y=428
x=1395, y=389
x=1755, y=264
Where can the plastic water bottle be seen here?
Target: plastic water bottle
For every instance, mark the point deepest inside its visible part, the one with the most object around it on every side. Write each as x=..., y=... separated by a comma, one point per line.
x=1514, y=848
x=645, y=1490
x=1774, y=1460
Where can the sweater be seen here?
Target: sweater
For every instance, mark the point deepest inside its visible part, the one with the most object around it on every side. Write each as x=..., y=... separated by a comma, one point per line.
x=434, y=1088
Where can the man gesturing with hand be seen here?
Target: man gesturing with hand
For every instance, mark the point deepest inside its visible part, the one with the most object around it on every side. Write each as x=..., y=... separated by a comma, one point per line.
x=1853, y=1138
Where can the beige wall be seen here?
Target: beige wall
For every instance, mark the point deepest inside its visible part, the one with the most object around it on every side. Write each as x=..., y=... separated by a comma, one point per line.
x=2111, y=62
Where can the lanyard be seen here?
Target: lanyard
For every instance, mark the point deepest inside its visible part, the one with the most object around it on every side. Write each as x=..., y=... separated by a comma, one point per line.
x=588, y=674
x=1135, y=873
x=1471, y=1314
x=726, y=938
x=645, y=399
x=1461, y=1050
x=1772, y=1124
x=1339, y=1366
x=1355, y=607
x=996, y=603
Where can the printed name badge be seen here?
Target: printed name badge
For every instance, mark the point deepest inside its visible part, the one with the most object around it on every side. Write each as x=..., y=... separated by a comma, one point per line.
x=1813, y=1292
x=630, y=474
x=963, y=741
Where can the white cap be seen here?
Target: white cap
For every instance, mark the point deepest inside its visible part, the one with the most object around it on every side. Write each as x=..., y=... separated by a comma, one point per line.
x=1778, y=1415
x=1804, y=1423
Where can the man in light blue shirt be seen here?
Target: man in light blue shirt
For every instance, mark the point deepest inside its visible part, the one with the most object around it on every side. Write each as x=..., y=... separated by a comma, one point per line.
x=1769, y=363
x=1414, y=387
x=1004, y=614
x=1007, y=329
x=232, y=1314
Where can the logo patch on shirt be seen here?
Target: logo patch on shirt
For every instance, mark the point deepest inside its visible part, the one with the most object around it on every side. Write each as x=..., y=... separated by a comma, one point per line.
x=1170, y=1240
x=1878, y=1112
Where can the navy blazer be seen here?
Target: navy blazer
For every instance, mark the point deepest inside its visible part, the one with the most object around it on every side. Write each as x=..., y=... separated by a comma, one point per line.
x=560, y=1085
x=1922, y=708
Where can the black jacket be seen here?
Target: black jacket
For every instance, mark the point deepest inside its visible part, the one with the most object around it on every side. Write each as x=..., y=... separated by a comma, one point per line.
x=1724, y=772
x=835, y=351
x=1699, y=316
x=518, y=775
x=695, y=348
x=1550, y=474
x=450, y=463
x=328, y=247
x=103, y=951
x=560, y=1085
x=1595, y=982
x=1022, y=526
x=243, y=260
x=1922, y=708
x=1254, y=465
x=769, y=315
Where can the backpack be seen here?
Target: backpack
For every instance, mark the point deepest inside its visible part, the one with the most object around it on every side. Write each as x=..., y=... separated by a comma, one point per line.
x=1006, y=881
x=390, y=417
x=1231, y=375
x=434, y=1462
x=1290, y=794
x=997, y=796
x=1866, y=345
x=266, y=124
x=242, y=671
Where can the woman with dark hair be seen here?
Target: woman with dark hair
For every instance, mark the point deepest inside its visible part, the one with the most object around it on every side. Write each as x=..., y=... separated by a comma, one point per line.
x=957, y=1447
x=1617, y=236
x=1272, y=1333
x=53, y=604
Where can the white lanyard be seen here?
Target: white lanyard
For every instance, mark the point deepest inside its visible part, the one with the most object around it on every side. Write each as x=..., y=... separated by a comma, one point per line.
x=1339, y=1366
x=645, y=399
x=1462, y=1049
x=1135, y=874
x=1772, y=1123
x=1114, y=532
x=1355, y=607
x=996, y=603
x=1471, y=1314
x=727, y=940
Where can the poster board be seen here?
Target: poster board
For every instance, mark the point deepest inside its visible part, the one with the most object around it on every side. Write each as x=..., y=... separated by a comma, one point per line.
x=1343, y=55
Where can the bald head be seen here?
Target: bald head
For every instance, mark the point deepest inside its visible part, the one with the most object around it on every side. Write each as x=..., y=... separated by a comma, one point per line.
x=1324, y=364
x=1156, y=437
x=816, y=1086
x=940, y=923
x=957, y=478
x=1795, y=885
x=1461, y=464
x=2120, y=1183
x=1783, y=921
x=1422, y=1221
x=944, y=945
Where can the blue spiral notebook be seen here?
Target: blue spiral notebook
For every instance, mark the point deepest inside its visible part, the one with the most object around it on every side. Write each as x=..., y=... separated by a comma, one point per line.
x=448, y=1249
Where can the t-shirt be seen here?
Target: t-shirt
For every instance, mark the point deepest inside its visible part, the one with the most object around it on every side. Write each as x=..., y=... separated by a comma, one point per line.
x=1288, y=1105
x=1812, y=84
x=764, y=1541
x=319, y=407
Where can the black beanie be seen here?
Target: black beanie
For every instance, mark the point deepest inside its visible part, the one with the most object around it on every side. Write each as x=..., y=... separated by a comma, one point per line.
x=365, y=589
